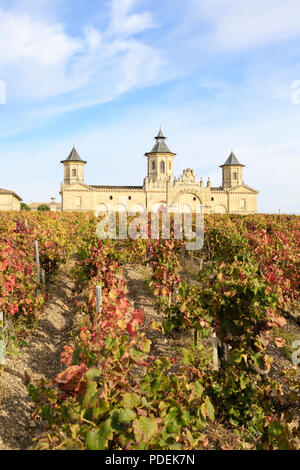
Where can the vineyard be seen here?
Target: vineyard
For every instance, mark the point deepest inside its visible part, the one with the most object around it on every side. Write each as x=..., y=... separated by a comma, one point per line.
x=160, y=348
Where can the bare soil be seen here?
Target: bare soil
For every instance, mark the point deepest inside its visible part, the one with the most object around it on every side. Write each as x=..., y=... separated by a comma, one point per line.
x=142, y=298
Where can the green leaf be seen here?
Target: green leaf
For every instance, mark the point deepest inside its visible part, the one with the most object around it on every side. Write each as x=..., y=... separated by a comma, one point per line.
x=144, y=429
x=131, y=400
x=91, y=391
x=198, y=389
x=92, y=374
x=126, y=415
x=74, y=412
x=165, y=363
x=76, y=356
x=209, y=409
x=99, y=408
x=145, y=346
x=168, y=326
x=243, y=382
x=187, y=357
x=136, y=355
x=234, y=422
x=275, y=429
x=98, y=439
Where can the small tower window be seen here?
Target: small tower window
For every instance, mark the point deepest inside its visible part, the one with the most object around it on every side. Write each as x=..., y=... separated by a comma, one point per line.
x=74, y=172
x=153, y=165
x=235, y=175
x=129, y=197
x=170, y=166
x=162, y=167
x=110, y=197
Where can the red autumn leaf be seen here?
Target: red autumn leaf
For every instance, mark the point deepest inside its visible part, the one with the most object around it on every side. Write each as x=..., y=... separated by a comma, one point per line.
x=280, y=342
x=205, y=442
x=3, y=265
x=69, y=379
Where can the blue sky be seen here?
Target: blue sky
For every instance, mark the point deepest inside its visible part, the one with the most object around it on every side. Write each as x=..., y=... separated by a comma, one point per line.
x=104, y=75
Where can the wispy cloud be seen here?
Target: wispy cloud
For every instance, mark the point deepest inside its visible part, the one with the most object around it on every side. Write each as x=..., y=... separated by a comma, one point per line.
x=28, y=42
x=42, y=63
x=235, y=25
x=125, y=23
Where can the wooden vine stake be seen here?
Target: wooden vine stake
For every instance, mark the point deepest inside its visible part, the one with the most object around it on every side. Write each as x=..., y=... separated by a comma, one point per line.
x=170, y=299
x=98, y=299
x=201, y=264
x=2, y=346
x=175, y=294
x=196, y=335
x=182, y=254
x=215, y=352
x=226, y=352
x=37, y=261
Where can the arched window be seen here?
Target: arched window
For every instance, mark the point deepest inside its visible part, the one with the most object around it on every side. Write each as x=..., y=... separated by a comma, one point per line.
x=153, y=165
x=162, y=166
x=74, y=172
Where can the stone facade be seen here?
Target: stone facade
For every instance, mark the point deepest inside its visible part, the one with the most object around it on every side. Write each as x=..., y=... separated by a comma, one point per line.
x=159, y=187
x=9, y=201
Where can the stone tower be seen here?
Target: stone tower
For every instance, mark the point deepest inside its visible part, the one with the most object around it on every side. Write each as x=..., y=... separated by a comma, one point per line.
x=73, y=168
x=160, y=160
x=232, y=172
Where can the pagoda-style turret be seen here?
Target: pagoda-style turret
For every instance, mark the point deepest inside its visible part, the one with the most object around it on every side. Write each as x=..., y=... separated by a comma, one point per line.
x=160, y=159
x=232, y=172
x=73, y=168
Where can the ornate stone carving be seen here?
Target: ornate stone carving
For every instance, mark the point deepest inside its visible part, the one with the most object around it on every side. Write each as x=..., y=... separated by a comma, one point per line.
x=188, y=176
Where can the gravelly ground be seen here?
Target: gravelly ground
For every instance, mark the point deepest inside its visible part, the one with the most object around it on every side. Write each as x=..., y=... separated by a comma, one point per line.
x=40, y=360
x=142, y=298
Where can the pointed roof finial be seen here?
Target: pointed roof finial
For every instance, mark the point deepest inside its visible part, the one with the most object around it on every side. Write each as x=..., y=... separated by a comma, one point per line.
x=232, y=160
x=73, y=156
x=160, y=134
x=160, y=145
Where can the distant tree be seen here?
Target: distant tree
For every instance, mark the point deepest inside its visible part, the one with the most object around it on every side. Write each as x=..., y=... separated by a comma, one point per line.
x=25, y=207
x=43, y=208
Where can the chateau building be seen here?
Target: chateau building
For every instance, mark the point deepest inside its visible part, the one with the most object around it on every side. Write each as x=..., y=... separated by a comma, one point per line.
x=53, y=206
x=160, y=187
x=9, y=200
